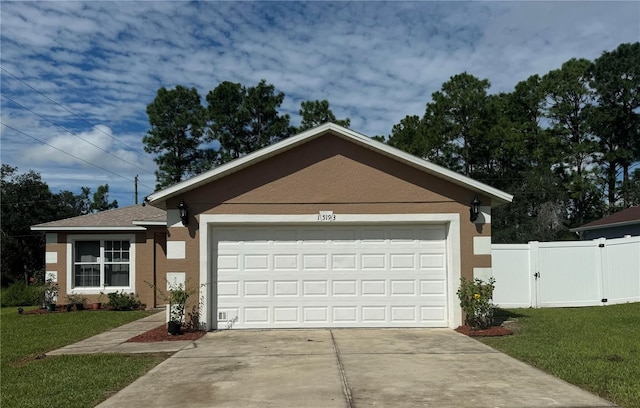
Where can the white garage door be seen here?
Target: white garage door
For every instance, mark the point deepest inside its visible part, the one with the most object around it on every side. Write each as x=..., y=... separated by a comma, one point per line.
x=331, y=276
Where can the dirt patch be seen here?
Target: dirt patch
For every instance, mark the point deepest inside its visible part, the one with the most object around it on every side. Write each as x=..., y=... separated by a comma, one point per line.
x=23, y=361
x=160, y=334
x=490, y=332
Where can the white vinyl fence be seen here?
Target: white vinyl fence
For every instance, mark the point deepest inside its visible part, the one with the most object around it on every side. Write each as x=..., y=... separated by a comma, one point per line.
x=567, y=274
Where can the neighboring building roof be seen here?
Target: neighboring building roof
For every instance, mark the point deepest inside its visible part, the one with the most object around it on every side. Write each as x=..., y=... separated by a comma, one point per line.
x=134, y=217
x=159, y=198
x=625, y=217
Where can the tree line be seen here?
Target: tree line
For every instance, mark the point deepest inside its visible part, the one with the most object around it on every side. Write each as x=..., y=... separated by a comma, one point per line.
x=188, y=138
x=26, y=201
x=564, y=143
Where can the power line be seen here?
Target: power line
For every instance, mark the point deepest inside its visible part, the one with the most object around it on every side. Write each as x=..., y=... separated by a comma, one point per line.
x=69, y=154
x=67, y=109
x=79, y=137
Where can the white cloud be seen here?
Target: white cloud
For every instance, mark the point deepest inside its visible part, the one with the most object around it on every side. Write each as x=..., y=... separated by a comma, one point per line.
x=374, y=61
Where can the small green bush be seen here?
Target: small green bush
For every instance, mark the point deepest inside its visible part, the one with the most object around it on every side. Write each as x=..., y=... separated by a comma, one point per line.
x=476, y=301
x=123, y=301
x=21, y=294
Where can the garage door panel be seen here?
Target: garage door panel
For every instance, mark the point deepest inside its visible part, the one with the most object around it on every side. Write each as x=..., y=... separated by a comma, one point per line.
x=403, y=314
x=402, y=261
x=256, y=315
x=287, y=262
x=227, y=289
x=345, y=314
x=285, y=288
x=433, y=314
x=256, y=288
x=374, y=287
x=432, y=287
x=427, y=261
x=316, y=314
x=314, y=262
x=374, y=314
x=256, y=262
x=331, y=277
x=283, y=314
x=344, y=261
x=314, y=288
x=369, y=315
x=344, y=288
x=373, y=261
x=228, y=262
x=403, y=287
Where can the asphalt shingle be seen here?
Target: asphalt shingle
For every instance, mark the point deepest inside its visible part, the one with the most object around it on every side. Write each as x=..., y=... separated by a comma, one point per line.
x=118, y=217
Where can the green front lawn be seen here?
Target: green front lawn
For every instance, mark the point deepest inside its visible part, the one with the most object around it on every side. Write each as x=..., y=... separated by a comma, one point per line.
x=595, y=348
x=28, y=379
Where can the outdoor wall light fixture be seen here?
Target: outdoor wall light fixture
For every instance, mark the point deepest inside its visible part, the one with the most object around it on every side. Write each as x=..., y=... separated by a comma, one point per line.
x=474, y=209
x=184, y=214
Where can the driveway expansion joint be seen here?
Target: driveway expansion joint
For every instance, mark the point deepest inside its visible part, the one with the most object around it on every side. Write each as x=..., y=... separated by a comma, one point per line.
x=343, y=376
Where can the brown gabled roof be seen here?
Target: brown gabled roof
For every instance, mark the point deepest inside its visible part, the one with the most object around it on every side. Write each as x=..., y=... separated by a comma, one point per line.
x=133, y=217
x=625, y=217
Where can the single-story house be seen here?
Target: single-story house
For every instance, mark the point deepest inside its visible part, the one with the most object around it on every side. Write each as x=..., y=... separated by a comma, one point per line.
x=327, y=228
x=616, y=225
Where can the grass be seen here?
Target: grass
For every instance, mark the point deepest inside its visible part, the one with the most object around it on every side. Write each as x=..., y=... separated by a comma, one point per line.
x=28, y=379
x=595, y=348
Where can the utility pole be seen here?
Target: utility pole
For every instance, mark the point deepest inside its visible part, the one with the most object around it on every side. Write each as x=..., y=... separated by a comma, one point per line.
x=136, y=188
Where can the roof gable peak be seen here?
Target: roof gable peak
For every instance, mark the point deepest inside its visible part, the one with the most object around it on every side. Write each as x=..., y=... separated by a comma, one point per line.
x=159, y=198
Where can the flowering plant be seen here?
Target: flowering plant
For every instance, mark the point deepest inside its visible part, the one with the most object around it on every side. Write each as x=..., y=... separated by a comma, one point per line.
x=476, y=301
x=51, y=289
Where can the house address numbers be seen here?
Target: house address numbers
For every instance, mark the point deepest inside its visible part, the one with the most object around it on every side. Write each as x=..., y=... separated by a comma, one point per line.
x=326, y=216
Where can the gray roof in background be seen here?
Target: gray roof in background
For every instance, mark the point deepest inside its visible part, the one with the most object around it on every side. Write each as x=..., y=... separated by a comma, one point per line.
x=117, y=218
x=628, y=216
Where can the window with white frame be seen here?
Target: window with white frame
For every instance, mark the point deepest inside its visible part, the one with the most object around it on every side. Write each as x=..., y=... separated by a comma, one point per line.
x=101, y=262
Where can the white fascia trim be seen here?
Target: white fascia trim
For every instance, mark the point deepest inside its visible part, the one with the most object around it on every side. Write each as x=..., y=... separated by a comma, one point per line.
x=313, y=218
x=209, y=221
x=310, y=134
x=36, y=228
x=596, y=227
x=99, y=237
x=149, y=223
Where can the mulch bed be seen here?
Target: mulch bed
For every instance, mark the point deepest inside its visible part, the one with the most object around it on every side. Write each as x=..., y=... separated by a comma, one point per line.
x=160, y=333
x=490, y=332
x=59, y=309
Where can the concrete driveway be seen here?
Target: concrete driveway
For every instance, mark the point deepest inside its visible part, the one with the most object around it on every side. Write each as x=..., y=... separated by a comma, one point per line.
x=347, y=368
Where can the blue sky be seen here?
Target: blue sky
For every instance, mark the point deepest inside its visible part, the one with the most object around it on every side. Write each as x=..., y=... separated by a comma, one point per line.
x=79, y=75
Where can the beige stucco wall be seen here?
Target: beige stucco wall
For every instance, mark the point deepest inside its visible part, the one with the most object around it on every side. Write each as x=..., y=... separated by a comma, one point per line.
x=328, y=173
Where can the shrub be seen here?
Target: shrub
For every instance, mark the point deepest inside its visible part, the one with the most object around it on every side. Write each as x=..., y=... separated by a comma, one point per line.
x=176, y=295
x=20, y=294
x=476, y=301
x=123, y=301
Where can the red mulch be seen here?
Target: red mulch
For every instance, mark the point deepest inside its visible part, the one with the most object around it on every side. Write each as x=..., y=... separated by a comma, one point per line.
x=490, y=332
x=160, y=333
x=59, y=309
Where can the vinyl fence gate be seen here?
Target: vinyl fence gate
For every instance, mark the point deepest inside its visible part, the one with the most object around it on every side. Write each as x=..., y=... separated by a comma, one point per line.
x=567, y=274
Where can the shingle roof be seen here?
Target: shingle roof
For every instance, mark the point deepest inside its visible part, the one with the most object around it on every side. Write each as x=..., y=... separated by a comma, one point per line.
x=117, y=218
x=625, y=217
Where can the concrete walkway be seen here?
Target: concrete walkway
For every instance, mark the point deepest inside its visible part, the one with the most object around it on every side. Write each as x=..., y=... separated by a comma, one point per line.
x=115, y=340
